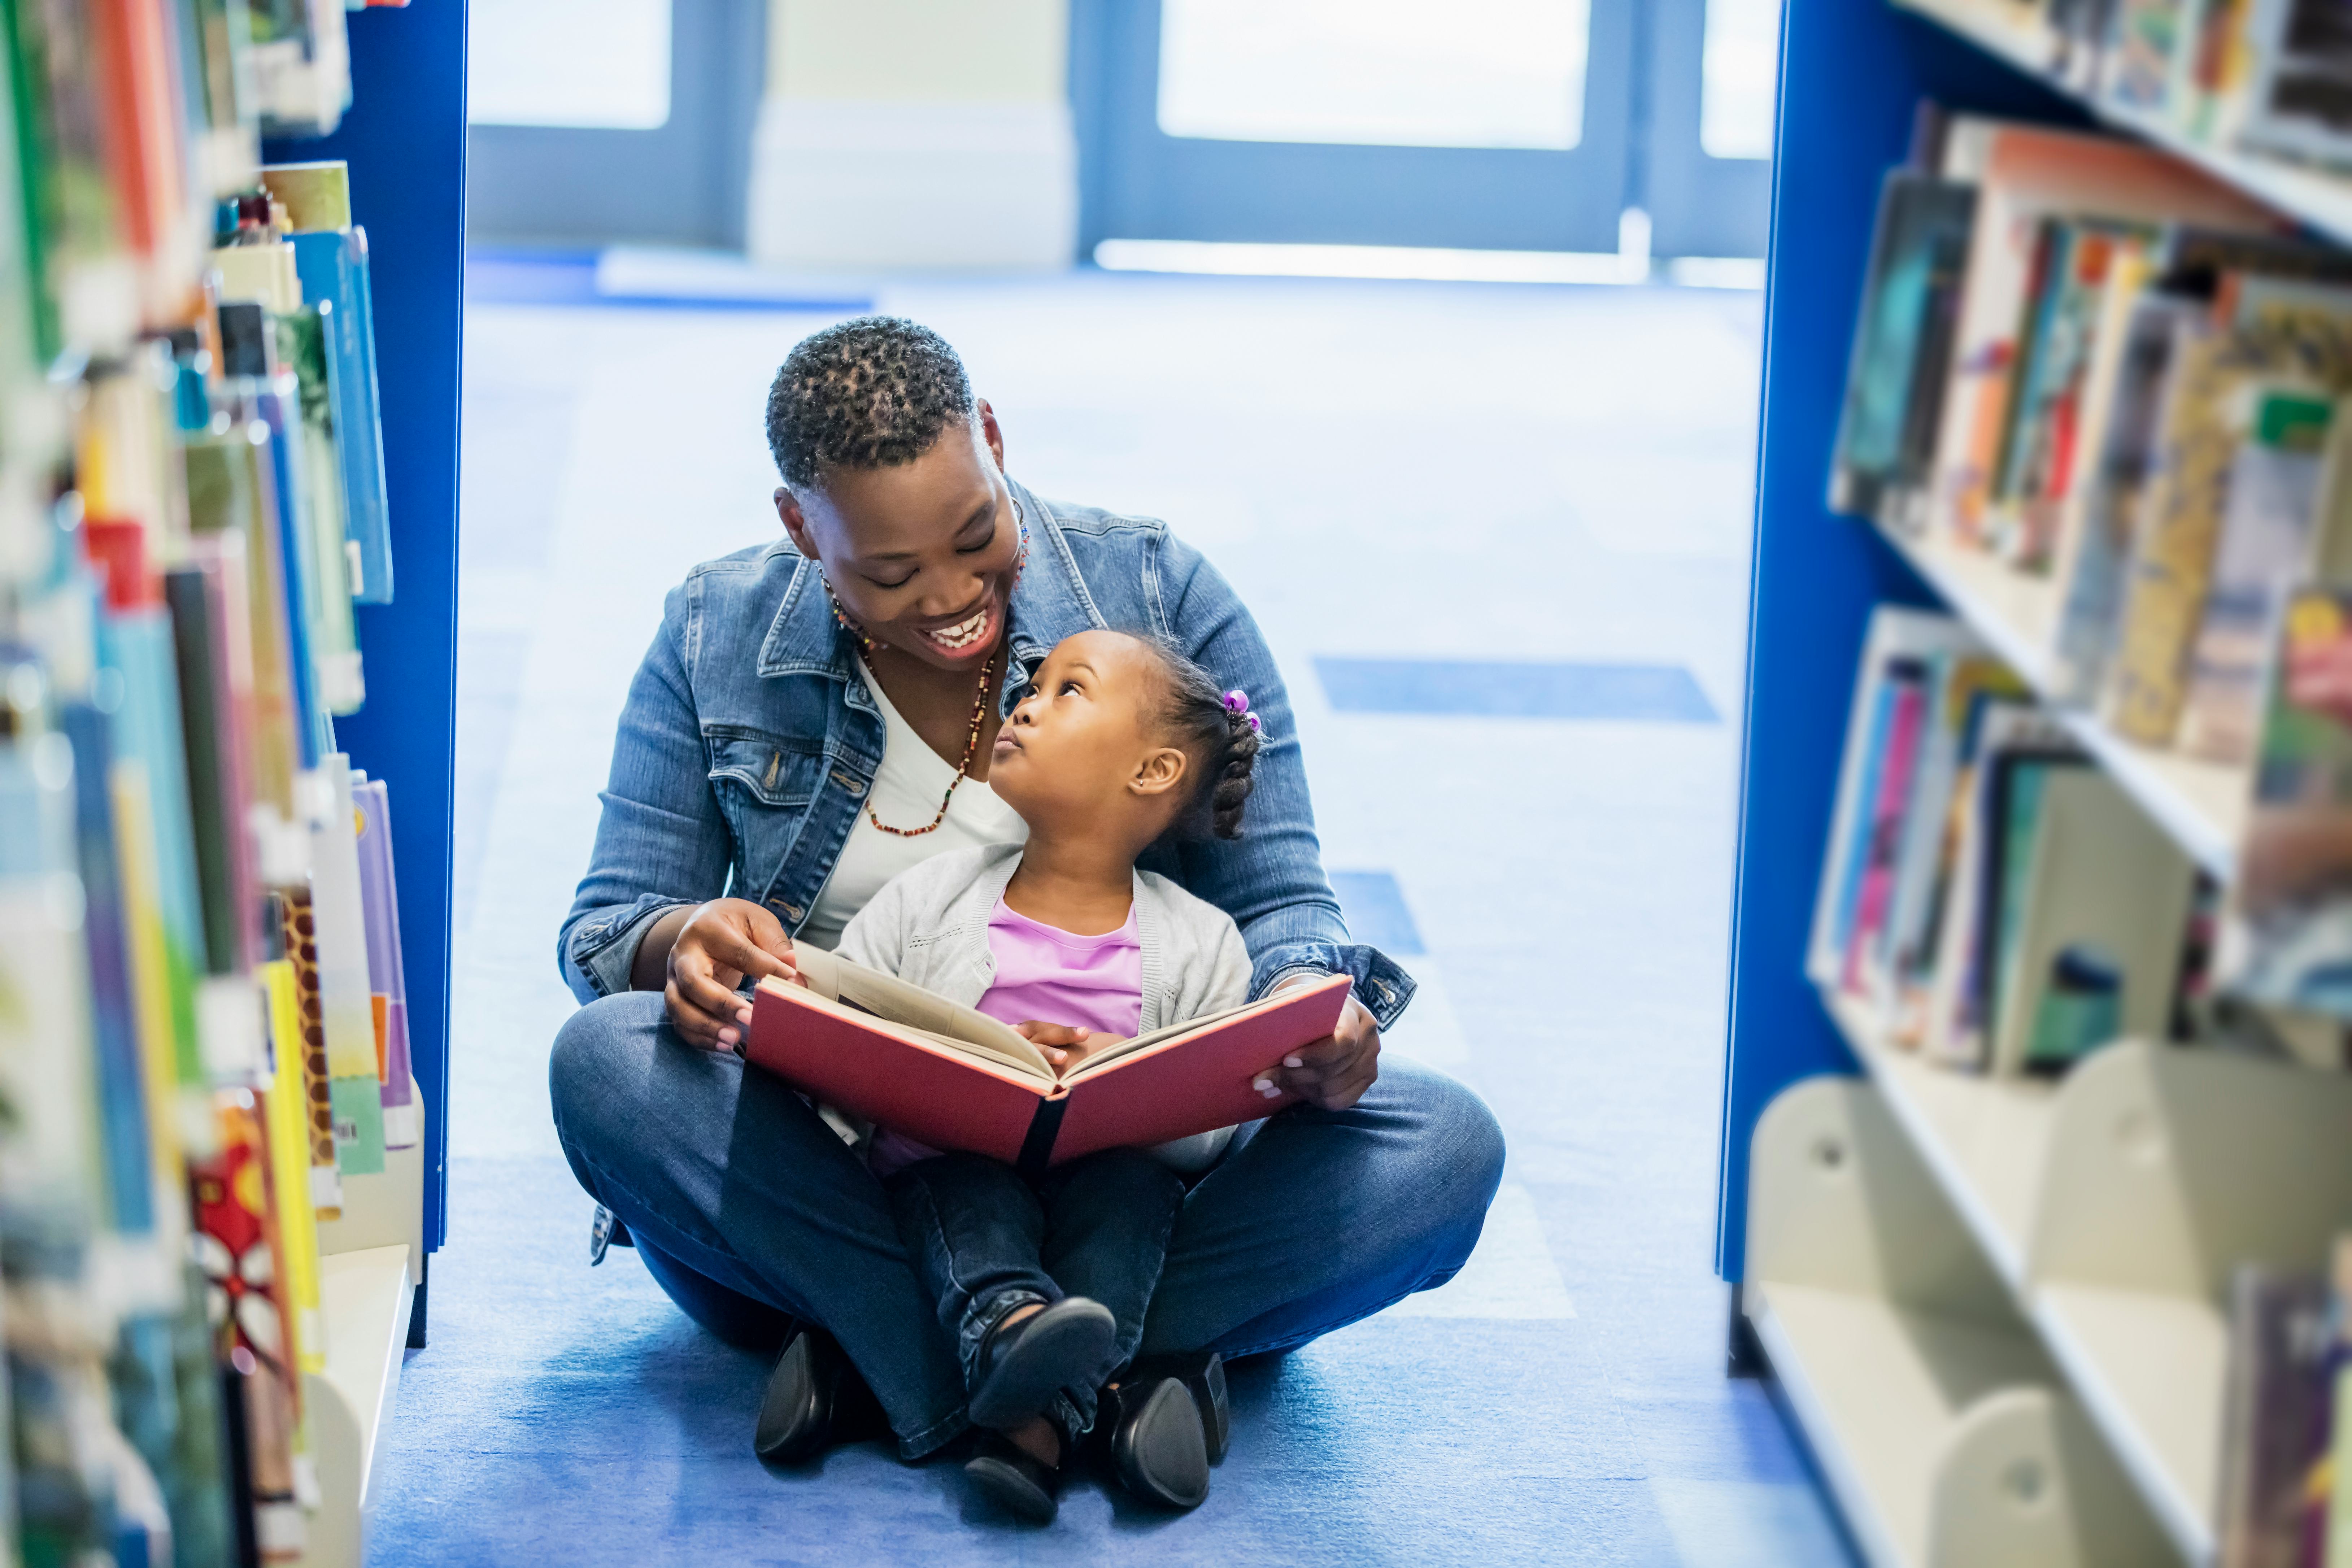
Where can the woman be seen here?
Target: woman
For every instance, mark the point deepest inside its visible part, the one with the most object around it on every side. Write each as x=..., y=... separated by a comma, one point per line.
x=816, y=715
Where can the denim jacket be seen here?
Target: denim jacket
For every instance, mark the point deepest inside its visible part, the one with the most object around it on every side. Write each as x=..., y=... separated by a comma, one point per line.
x=748, y=741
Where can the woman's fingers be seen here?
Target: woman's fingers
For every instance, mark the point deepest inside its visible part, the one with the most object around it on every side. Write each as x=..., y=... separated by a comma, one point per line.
x=694, y=1026
x=704, y=986
x=741, y=952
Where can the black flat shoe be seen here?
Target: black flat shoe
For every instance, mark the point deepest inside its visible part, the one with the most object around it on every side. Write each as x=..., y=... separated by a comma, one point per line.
x=815, y=1399
x=1015, y=1481
x=1203, y=1373
x=1023, y=1365
x=1155, y=1442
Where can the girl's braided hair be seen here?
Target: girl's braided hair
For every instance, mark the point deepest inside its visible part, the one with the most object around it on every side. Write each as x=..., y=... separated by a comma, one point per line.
x=1222, y=742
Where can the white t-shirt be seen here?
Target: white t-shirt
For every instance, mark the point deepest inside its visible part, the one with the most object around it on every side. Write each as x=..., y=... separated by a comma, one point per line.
x=906, y=794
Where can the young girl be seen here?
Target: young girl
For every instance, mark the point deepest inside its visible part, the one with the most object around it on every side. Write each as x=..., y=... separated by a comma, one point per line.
x=1042, y=1287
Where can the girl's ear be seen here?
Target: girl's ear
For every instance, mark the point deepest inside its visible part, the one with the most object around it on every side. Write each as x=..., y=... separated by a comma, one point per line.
x=1160, y=772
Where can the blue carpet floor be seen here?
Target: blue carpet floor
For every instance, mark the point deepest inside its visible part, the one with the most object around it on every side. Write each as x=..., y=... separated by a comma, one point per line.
x=1483, y=481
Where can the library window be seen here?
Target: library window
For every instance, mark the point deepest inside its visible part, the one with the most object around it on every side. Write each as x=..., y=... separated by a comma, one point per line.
x=1739, y=66
x=1390, y=73
x=593, y=64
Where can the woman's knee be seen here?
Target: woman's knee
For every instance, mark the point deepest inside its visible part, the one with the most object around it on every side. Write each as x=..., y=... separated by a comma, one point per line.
x=1456, y=1151
x=599, y=1050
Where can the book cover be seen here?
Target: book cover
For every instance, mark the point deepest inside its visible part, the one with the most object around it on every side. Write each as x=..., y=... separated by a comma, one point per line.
x=2096, y=951
x=2274, y=1415
x=2286, y=931
x=286, y=1119
x=346, y=1010
x=245, y=1268
x=114, y=1027
x=1916, y=256
x=2269, y=528
x=387, y=976
x=302, y=339
x=2092, y=579
x=983, y=1088
x=1968, y=687
x=2265, y=328
x=333, y=266
x=231, y=510
x=1895, y=633
x=1907, y=685
x=297, y=932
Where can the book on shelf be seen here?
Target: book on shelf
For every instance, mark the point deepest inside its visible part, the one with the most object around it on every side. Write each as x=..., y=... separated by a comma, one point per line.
x=1995, y=901
x=2287, y=938
x=902, y=1057
x=2286, y=1407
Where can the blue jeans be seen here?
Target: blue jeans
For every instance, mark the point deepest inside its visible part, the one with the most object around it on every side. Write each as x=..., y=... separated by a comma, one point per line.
x=985, y=1242
x=743, y=1203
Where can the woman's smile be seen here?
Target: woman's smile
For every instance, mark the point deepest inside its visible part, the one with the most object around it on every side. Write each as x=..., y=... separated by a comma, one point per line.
x=976, y=630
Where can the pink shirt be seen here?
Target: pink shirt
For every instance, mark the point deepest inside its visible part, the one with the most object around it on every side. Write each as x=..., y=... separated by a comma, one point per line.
x=1047, y=976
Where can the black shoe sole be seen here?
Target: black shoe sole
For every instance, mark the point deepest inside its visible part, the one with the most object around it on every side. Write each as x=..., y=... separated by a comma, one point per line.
x=1203, y=1373
x=1162, y=1455
x=1064, y=1345
x=1004, y=1484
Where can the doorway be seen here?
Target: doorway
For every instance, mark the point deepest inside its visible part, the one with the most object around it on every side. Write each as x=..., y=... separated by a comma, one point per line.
x=1483, y=124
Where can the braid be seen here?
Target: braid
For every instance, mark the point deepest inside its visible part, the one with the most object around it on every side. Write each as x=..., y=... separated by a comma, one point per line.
x=1232, y=776
x=1222, y=745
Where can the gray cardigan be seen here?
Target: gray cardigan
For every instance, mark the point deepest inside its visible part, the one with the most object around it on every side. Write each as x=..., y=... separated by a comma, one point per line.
x=929, y=925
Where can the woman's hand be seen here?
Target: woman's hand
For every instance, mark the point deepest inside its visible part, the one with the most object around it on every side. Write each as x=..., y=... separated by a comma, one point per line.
x=1064, y=1046
x=1335, y=1071
x=723, y=943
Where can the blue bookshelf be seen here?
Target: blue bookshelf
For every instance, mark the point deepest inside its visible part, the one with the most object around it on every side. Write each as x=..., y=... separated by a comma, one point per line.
x=1851, y=75
x=405, y=139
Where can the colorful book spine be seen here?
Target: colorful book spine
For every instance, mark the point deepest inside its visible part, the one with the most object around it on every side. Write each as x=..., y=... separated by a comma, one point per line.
x=301, y=947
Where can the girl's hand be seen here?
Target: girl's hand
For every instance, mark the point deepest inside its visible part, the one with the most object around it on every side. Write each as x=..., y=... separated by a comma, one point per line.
x=1064, y=1046
x=721, y=944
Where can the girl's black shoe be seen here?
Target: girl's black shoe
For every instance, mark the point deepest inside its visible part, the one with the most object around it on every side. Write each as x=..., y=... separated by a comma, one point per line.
x=1015, y=1481
x=1203, y=1373
x=1155, y=1441
x=1023, y=1364
x=815, y=1399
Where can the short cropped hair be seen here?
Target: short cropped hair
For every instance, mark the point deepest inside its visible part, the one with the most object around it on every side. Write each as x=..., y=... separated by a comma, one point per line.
x=870, y=392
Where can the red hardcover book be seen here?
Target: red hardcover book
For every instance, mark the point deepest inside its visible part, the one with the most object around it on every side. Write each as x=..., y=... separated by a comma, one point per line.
x=897, y=1054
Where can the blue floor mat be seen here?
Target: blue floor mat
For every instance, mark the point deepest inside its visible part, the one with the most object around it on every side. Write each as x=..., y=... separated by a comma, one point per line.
x=1655, y=692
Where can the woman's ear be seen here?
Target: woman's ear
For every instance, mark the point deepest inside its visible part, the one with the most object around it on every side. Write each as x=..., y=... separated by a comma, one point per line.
x=1160, y=772
x=788, y=511
x=991, y=436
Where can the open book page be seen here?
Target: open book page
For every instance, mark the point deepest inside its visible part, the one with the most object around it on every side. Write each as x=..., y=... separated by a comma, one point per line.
x=886, y=997
x=1101, y=1057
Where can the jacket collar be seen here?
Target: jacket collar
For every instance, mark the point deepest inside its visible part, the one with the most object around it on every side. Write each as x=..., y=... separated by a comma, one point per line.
x=1050, y=602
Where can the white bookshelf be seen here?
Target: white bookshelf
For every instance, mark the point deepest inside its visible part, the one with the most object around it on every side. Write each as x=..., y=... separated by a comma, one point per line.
x=369, y=1264
x=1930, y=1405
x=2111, y=1207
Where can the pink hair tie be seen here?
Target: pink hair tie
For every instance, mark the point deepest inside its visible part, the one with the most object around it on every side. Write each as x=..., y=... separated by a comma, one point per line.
x=1237, y=703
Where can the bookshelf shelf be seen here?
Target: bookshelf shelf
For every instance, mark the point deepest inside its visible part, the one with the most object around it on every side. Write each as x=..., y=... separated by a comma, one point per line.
x=2202, y=805
x=2112, y=1205
x=365, y=1296
x=1930, y=1405
x=2314, y=196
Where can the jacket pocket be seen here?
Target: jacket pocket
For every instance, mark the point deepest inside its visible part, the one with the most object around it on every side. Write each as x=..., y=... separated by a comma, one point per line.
x=765, y=783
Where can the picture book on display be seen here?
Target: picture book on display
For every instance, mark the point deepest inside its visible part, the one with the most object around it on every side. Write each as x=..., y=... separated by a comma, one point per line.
x=903, y=1058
